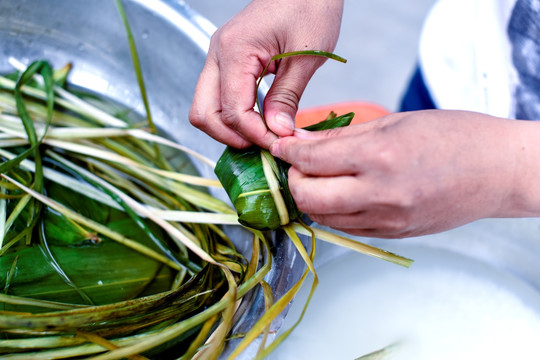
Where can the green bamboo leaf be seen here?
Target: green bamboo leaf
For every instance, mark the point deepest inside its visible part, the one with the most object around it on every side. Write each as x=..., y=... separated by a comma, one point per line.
x=3, y=216
x=242, y=176
x=45, y=70
x=282, y=302
x=386, y=353
x=51, y=260
x=107, y=272
x=321, y=53
x=60, y=75
x=136, y=65
x=268, y=301
x=354, y=245
x=100, y=228
x=145, y=228
x=331, y=123
x=10, y=274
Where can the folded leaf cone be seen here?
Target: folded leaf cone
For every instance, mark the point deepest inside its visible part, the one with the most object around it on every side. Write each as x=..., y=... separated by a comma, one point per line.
x=242, y=176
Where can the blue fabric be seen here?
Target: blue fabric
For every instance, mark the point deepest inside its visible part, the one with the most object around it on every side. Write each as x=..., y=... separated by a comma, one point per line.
x=524, y=33
x=417, y=95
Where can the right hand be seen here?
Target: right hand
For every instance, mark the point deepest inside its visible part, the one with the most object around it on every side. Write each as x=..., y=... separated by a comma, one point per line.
x=224, y=99
x=415, y=173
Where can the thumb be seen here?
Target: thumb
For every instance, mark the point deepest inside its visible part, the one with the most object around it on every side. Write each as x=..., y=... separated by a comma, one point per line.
x=281, y=102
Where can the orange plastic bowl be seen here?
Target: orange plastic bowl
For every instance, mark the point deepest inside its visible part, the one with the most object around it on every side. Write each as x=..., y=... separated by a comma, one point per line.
x=364, y=111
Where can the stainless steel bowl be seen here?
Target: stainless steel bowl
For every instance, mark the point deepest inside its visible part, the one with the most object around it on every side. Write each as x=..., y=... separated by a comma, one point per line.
x=172, y=42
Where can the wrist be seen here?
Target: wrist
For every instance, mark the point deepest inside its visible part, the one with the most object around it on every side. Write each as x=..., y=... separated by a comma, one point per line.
x=523, y=199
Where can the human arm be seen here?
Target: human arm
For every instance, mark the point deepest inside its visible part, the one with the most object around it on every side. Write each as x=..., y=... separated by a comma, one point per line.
x=410, y=174
x=225, y=94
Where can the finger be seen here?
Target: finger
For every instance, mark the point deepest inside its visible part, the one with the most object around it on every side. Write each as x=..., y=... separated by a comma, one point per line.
x=380, y=221
x=325, y=195
x=281, y=102
x=371, y=232
x=328, y=156
x=347, y=221
x=205, y=112
x=362, y=223
x=238, y=84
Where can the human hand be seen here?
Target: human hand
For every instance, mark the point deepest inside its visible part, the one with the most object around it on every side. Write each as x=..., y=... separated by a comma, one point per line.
x=225, y=94
x=410, y=174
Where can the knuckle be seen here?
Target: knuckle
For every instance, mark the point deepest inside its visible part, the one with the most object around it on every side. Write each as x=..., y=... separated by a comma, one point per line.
x=229, y=117
x=223, y=38
x=303, y=202
x=196, y=119
x=397, y=225
x=336, y=132
x=339, y=135
x=404, y=201
x=387, y=157
x=220, y=38
x=394, y=212
x=303, y=157
x=203, y=120
x=397, y=221
x=283, y=96
x=396, y=202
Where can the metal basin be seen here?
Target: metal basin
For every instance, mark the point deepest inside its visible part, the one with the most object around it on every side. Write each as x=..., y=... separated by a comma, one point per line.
x=172, y=42
x=471, y=290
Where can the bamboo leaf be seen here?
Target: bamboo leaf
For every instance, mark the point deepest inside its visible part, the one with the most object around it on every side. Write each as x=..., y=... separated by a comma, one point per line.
x=93, y=225
x=273, y=185
x=45, y=70
x=279, y=305
x=131, y=213
x=3, y=217
x=321, y=53
x=354, y=245
x=136, y=65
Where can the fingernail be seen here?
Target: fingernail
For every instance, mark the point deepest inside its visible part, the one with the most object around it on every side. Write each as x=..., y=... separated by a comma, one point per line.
x=274, y=148
x=285, y=122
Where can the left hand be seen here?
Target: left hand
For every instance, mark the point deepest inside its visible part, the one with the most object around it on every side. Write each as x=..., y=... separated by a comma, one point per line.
x=414, y=173
x=239, y=51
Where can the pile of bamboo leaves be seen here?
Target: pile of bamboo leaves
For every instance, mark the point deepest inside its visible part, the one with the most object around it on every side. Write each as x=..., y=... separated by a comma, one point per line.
x=110, y=244
x=92, y=257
